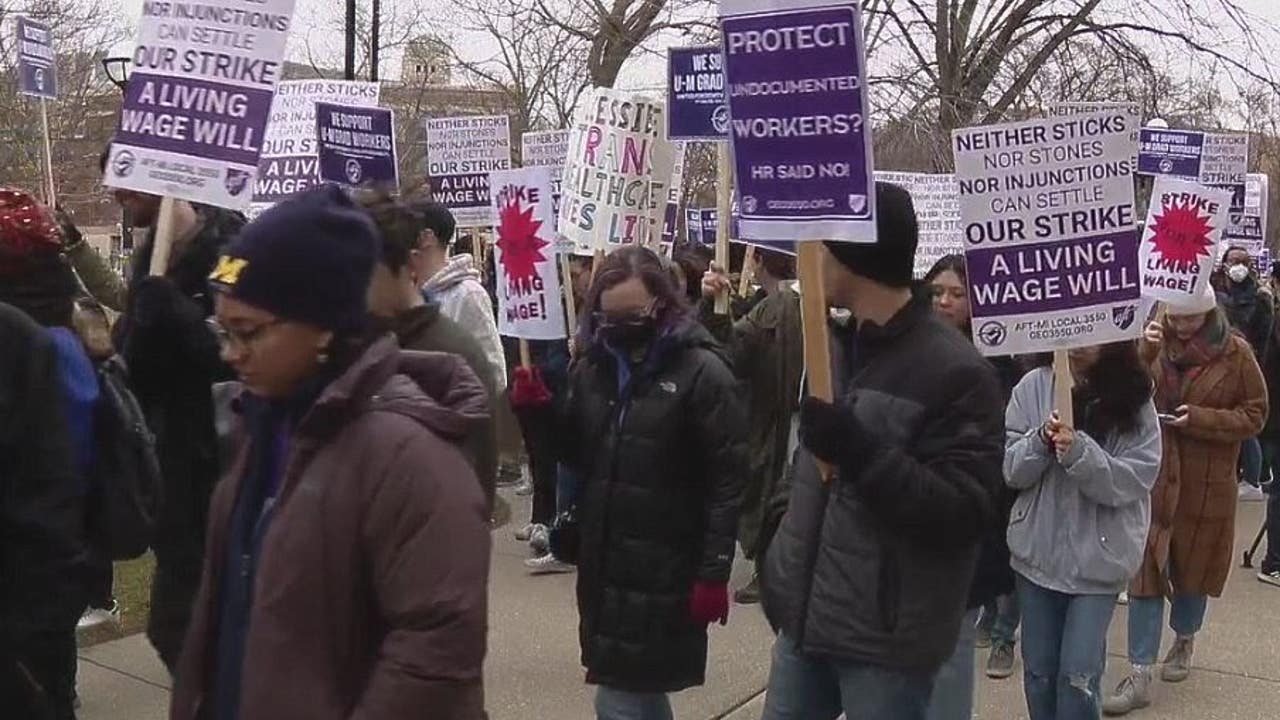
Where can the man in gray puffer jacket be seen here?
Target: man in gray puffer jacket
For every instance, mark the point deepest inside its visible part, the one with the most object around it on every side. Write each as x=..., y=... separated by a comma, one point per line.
x=868, y=575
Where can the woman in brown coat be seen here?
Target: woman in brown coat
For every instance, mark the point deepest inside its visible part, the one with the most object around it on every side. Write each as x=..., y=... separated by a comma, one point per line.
x=1211, y=397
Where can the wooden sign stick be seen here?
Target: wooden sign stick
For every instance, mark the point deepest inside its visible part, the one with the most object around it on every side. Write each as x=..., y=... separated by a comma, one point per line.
x=748, y=270
x=566, y=284
x=1063, y=383
x=162, y=240
x=51, y=193
x=526, y=359
x=724, y=195
x=817, y=336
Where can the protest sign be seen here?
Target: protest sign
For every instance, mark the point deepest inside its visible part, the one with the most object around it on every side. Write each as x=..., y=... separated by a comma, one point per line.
x=37, y=74
x=524, y=253
x=672, y=213
x=709, y=219
x=617, y=172
x=1182, y=239
x=937, y=203
x=544, y=148
x=357, y=145
x=1170, y=152
x=461, y=152
x=289, y=162
x=198, y=99
x=696, y=108
x=798, y=109
x=1249, y=229
x=1084, y=107
x=693, y=225
x=1051, y=241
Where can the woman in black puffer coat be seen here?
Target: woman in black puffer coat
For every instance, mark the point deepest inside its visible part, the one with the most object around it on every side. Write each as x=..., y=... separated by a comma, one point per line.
x=659, y=441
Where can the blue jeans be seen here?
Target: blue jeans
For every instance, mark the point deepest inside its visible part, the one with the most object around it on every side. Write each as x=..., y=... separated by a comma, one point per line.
x=614, y=704
x=953, y=685
x=1000, y=617
x=1146, y=615
x=807, y=688
x=1064, y=651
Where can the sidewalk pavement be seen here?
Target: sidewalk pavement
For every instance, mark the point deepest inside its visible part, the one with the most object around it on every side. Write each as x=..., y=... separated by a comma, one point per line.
x=532, y=671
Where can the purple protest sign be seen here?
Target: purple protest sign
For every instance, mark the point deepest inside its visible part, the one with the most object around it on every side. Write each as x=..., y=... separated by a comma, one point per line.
x=709, y=219
x=357, y=145
x=37, y=74
x=1170, y=152
x=1050, y=236
x=693, y=225
x=197, y=103
x=798, y=109
x=696, y=108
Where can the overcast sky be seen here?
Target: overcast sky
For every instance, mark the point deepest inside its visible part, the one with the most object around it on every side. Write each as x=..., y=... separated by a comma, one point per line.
x=317, y=24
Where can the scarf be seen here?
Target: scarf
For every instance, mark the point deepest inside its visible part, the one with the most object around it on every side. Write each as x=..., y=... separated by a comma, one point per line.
x=1182, y=362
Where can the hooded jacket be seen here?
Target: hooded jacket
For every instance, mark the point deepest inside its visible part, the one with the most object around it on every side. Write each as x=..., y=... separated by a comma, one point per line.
x=463, y=299
x=1079, y=524
x=369, y=597
x=661, y=453
x=426, y=329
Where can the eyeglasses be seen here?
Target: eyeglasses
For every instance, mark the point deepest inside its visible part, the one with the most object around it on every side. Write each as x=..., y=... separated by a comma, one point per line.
x=603, y=319
x=241, y=339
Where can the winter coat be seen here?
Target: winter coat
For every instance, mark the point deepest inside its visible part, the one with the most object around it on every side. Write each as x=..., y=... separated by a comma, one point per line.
x=767, y=352
x=1193, y=503
x=661, y=460
x=371, y=581
x=993, y=577
x=41, y=505
x=425, y=329
x=874, y=566
x=457, y=289
x=1080, y=523
x=1250, y=312
x=172, y=371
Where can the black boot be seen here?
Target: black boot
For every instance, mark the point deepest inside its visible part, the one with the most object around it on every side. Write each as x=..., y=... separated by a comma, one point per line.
x=749, y=595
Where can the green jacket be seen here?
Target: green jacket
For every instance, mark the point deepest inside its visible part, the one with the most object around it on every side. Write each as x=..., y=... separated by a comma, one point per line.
x=106, y=285
x=766, y=347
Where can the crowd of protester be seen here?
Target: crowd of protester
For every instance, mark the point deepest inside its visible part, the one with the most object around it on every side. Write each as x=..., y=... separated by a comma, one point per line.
x=321, y=394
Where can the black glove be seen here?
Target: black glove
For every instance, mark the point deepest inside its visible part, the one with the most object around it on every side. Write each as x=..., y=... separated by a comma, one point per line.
x=158, y=304
x=833, y=434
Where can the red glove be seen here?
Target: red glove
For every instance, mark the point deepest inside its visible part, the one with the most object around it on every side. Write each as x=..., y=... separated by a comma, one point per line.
x=709, y=602
x=528, y=388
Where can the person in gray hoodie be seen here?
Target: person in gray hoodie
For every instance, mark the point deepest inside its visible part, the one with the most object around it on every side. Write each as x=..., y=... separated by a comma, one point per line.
x=1079, y=526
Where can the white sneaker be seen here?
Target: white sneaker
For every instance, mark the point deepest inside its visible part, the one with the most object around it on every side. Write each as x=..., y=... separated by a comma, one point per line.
x=96, y=617
x=548, y=565
x=1270, y=578
x=1250, y=493
x=1123, y=598
x=524, y=533
x=540, y=539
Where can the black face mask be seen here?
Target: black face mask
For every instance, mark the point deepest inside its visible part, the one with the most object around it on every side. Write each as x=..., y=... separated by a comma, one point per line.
x=629, y=335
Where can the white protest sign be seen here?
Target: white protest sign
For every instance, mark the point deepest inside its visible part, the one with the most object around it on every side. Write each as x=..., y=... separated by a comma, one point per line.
x=1224, y=159
x=1182, y=239
x=617, y=172
x=461, y=152
x=288, y=162
x=525, y=254
x=544, y=148
x=1084, y=107
x=198, y=99
x=1051, y=241
x=937, y=203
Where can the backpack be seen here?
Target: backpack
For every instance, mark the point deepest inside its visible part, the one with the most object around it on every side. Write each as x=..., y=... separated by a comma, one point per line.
x=125, y=480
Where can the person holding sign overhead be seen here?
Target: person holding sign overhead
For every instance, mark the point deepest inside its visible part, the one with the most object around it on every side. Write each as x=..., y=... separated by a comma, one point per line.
x=1211, y=398
x=654, y=429
x=1079, y=523
x=868, y=575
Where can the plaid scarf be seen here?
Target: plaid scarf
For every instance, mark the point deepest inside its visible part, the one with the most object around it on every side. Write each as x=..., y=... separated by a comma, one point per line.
x=1183, y=361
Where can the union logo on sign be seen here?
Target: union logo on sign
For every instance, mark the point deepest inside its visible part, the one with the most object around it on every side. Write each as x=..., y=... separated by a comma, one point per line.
x=354, y=171
x=857, y=203
x=236, y=181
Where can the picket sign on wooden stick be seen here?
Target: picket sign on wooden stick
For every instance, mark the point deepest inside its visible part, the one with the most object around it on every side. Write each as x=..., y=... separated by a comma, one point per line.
x=1063, y=383
x=566, y=286
x=596, y=261
x=817, y=336
x=526, y=360
x=724, y=199
x=162, y=241
x=748, y=270
x=51, y=193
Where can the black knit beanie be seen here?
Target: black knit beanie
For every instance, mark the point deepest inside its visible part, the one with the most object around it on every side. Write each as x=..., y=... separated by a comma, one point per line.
x=308, y=259
x=891, y=259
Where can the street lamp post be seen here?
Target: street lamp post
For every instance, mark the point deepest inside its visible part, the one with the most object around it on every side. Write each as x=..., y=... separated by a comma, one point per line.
x=117, y=70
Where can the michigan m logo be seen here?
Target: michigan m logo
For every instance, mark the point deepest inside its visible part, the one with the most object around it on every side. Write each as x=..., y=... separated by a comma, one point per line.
x=228, y=269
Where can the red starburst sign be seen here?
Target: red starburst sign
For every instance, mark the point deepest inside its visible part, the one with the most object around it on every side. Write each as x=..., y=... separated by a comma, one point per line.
x=1181, y=233
x=520, y=245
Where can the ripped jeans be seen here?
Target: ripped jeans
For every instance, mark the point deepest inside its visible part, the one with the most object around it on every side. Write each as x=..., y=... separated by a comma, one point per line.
x=1064, y=651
